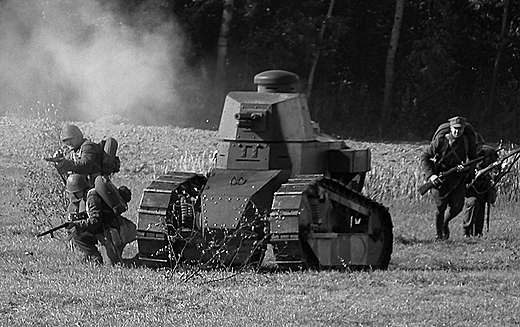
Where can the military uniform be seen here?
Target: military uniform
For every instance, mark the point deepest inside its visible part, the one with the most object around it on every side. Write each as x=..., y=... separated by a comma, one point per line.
x=478, y=194
x=85, y=157
x=86, y=160
x=444, y=153
x=92, y=221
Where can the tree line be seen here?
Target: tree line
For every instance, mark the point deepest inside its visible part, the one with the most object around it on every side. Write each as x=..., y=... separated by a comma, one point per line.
x=379, y=69
x=450, y=57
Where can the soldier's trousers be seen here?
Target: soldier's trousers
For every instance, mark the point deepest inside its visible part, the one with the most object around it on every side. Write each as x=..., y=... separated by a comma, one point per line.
x=474, y=214
x=449, y=205
x=87, y=242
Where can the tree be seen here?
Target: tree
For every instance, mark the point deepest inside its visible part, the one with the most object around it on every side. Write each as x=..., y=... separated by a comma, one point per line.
x=317, y=56
x=502, y=44
x=390, y=61
x=227, y=16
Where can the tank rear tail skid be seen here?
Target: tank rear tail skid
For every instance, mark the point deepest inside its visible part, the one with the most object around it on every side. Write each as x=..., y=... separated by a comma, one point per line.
x=317, y=222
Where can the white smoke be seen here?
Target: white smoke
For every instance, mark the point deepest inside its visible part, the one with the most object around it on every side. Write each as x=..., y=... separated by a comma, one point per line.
x=83, y=59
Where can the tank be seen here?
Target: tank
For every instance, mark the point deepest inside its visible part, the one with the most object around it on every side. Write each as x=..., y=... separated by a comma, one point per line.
x=277, y=180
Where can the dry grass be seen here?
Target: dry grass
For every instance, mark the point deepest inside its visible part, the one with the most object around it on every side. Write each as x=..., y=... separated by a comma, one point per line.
x=461, y=282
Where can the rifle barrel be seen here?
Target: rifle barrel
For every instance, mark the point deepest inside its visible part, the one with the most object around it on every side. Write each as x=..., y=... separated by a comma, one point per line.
x=52, y=230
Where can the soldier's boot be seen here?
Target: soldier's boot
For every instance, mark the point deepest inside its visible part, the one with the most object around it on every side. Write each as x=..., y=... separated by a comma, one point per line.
x=446, y=231
x=440, y=234
x=112, y=252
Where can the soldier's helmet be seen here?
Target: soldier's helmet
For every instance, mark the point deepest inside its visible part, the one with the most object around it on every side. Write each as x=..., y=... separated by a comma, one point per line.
x=125, y=193
x=71, y=132
x=76, y=183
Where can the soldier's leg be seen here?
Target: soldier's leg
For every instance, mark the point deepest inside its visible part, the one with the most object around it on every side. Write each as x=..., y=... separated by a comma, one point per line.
x=112, y=252
x=86, y=242
x=455, y=205
x=479, y=217
x=441, y=205
x=470, y=212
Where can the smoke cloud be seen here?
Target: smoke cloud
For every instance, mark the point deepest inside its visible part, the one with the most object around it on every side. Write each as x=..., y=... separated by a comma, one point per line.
x=85, y=60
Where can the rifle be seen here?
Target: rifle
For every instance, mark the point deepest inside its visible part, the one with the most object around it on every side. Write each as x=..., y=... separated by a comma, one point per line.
x=428, y=185
x=495, y=164
x=53, y=159
x=56, y=159
x=52, y=230
x=487, y=216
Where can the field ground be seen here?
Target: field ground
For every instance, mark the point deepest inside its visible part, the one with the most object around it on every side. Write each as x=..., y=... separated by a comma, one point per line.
x=460, y=282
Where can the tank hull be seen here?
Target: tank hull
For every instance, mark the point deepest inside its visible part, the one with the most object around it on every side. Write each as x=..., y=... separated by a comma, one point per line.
x=311, y=221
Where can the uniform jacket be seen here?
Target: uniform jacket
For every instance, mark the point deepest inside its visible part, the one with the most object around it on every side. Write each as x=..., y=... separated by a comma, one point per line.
x=98, y=214
x=85, y=160
x=481, y=186
x=445, y=152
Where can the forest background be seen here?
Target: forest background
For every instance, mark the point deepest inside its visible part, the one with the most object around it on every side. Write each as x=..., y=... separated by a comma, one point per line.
x=373, y=70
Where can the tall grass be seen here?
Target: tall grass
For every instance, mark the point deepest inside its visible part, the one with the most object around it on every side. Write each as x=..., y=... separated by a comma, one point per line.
x=460, y=282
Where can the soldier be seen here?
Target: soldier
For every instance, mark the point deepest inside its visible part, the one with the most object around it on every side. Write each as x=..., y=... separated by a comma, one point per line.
x=445, y=152
x=479, y=192
x=84, y=158
x=95, y=221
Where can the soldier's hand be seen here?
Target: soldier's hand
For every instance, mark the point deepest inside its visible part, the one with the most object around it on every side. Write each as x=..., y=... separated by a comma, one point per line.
x=60, y=165
x=436, y=181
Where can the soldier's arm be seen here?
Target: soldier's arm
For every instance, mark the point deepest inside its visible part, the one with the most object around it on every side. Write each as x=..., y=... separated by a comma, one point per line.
x=94, y=214
x=426, y=159
x=87, y=162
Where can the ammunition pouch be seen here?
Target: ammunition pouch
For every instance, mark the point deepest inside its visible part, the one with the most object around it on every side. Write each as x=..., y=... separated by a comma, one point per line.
x=78, y=216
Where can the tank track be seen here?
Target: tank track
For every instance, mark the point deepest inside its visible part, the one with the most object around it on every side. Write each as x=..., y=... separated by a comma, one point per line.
x=167, y=215
x=291, y=248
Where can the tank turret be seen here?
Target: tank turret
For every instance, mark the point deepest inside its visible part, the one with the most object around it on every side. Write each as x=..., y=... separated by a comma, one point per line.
x=277, y=180
x=272, y=129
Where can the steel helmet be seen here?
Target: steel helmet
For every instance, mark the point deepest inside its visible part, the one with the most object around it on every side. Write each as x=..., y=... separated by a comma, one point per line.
x=125, y=193
x=76, y=183
x=71, y=132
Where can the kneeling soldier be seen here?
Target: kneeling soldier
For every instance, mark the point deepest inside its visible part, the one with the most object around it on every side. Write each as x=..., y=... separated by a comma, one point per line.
x=93, y=221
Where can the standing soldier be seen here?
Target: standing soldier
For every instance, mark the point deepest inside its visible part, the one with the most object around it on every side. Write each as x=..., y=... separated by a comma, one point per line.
x=448, y=150
x=479, y=192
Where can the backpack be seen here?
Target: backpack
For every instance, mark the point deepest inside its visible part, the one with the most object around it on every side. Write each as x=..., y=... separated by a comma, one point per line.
x=110, y=162
x=444, y=129
x=110, y=194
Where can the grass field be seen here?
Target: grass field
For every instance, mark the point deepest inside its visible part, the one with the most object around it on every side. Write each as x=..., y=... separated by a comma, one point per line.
x=460, y=282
